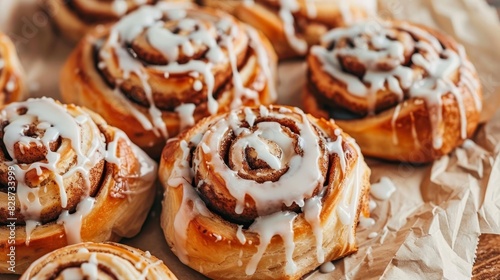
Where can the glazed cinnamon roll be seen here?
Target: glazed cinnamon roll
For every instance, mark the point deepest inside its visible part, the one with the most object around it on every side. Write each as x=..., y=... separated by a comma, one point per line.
x=164, y=67
x=404, y=92
x=262, y=193
x=98, y=261
x=294, y=25
x=11, y=72
x=66, y=177
x=74, y=18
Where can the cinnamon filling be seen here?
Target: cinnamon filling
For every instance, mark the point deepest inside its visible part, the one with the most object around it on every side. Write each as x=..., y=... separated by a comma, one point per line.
x=98, y=16
x=164, y=100
x=38, y=160
x=255, y=157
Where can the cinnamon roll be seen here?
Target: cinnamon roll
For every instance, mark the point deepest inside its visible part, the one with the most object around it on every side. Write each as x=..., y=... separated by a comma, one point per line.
x=164, y=67
x=98, y=261
x=66, y=177
x=74, y=18
x=262, y=193
x=11, y=72
x=404, y=92
x=294, y=25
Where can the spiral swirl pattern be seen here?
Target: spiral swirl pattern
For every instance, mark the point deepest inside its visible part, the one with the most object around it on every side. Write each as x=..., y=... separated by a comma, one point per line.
x=384, y=69
x=258, y=172
x=76, y=17
x=60, y=167
x=98, y=261
x=56, y=160
x=270, y=151
x=167, y=66
x=294, y=25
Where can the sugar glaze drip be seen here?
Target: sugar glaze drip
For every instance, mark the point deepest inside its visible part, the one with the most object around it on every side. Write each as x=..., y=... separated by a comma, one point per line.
x=269, y=223
x=191, y=34
x=289, y=8
x=438, y=65
x=57, y=121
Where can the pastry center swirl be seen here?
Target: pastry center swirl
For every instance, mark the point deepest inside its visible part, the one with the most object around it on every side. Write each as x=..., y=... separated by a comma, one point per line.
x=256, y=163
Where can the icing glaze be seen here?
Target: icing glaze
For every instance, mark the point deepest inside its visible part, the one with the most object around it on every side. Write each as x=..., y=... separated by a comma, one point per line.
x=289, y=10
x=78, y=133
x=373, y=44
x=194, y=30
x=383, y=189
x=265, y=137
x=327, y=267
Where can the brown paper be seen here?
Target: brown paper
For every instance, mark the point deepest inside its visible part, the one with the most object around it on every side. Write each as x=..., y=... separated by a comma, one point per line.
x=429, y=227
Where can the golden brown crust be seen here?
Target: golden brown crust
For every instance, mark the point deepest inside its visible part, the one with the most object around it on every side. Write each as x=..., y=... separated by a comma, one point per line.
x=121, y=184
x=103, y=260
x=310, y=21
x=214, y=246
x=90, y=79
x=11, y=73
x=399, y=130
x=77, y=17
x=487, y=260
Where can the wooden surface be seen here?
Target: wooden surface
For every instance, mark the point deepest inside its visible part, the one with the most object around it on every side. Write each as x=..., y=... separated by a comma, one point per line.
x=487, y=264
x=487, y=258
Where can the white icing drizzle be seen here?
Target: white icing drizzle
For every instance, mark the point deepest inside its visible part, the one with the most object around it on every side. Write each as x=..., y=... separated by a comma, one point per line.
x=311, y=9
x=193, y=33
x=59, y=123
x=29, y=228
x=72, y=273
x=147, y=254
x=217, y=237
x=250, y=117
x=372, y=205
x=345, y=11
x=383, y=189
x=185, y=112
x=239, y=88
x=240, y=262
x=327, y=267
x=240, y=235
x=119, y=7
x=73, y=222
x=335, y=147
x=90, y=269
x=348, y=205
x=372, y=235
x=56, y=121
x=312, y=211
x=11, y=84
x=182, y=175
x=280, y=223
x=287, y=8
x=439, y=65
x=365, y=223
x=292, y=187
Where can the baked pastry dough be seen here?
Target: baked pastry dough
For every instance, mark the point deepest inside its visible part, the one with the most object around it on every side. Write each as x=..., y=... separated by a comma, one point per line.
x=74, y=18
x=162, y=68
x=410, y=92
x=11, y=72
x=262, y=193
x=98, y=261
x=67, y=177
x=293, y=25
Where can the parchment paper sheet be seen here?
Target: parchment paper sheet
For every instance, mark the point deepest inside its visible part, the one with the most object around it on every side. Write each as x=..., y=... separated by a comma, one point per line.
x=429, y=227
